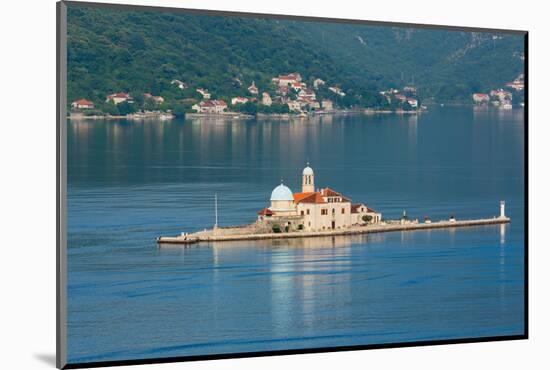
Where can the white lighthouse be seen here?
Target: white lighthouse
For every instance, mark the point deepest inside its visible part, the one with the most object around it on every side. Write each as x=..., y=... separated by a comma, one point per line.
x=502, y=206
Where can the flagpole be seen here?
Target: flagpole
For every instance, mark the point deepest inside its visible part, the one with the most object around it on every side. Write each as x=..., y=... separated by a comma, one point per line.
x=216, y=209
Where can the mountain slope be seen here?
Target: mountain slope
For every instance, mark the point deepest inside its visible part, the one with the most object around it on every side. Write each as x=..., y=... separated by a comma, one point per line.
x=112, y=51
x=444, y=64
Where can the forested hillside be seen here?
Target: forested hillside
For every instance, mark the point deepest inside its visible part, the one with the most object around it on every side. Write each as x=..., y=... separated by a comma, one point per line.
x=446, y=65
x=110, y=51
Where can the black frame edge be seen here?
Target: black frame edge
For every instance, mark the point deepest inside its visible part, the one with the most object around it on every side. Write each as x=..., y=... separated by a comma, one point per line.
x=225, y=356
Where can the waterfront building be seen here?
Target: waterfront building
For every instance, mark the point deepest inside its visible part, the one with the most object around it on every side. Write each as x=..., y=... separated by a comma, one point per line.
x=327, y=105
x=412, y=102
x=314, y=210
x=501, y=95
x=480, y=98
x=82, y=104
x=210, y=106
x=293, y=105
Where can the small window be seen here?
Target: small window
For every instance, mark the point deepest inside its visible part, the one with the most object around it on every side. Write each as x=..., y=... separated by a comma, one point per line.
x=302, y=213
x=343, y=210
x=307, y=211
x=333, y=211
x=324, y=212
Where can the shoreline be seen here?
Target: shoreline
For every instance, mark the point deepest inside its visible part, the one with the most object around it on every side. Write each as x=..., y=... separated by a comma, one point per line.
x=354, y=230
x=243, y=116
x=130, y=117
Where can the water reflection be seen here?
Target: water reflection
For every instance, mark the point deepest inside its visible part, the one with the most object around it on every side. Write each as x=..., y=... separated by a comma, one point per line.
x=130, y=182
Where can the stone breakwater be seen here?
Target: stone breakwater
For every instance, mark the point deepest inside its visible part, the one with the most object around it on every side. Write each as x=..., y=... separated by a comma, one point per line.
x=354, y=230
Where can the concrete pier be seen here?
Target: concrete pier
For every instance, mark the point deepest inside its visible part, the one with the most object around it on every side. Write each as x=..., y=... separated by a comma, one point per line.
x=354, y=230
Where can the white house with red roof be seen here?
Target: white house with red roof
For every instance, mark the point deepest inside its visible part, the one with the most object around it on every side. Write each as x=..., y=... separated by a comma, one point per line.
x=480, y=98
x=318, y=82
x=307, y=94
x=118, y=98
x=412, y=102
x=210, y=106
x=502, y=96
x=205, y=94
x=285, y=80
x=314, y=210
x=253, y=89
x=266, y=99
x=337, y=90
x=82, y=104
x=156, y=99
x=238, y=100
x=327, y=105
x=401, y=97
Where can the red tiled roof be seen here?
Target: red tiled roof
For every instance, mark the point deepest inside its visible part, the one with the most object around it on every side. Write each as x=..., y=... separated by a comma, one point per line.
x=212, y=103
x=299, y=196
x=119, y=95
x=328, y=192
x=265, y=212
x=355, y=207
x=308, y=198
x=83, y=102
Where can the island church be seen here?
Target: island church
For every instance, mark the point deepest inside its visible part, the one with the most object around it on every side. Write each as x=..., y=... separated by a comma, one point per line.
x=314, y=210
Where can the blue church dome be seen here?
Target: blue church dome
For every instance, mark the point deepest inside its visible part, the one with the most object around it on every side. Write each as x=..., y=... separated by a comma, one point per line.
x=281, y=192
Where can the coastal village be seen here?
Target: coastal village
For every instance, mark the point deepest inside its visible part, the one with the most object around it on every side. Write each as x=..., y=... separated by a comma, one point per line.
x=503, y=97
x=289, y=96
x=317, y=212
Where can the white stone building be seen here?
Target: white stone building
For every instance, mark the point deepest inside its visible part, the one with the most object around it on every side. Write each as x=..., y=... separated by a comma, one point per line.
x=318, y=82
x=238, y=100
x=327, y=105
x=210, y=106
x=266, y=99
x=205, y=94
x=82, y=104
x=314, y=210
x=118, y=98
x=252, y=89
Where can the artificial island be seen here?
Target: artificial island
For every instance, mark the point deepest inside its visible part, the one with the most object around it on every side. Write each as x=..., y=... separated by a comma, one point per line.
x=318, y=212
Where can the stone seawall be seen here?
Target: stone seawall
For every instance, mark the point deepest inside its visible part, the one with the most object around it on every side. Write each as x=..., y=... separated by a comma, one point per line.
x=379, y=228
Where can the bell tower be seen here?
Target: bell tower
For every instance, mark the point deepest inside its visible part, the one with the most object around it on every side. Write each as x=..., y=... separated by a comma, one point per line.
x=308, y=180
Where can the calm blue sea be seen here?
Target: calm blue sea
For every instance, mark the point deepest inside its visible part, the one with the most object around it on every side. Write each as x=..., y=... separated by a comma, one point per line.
x=129, y=182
